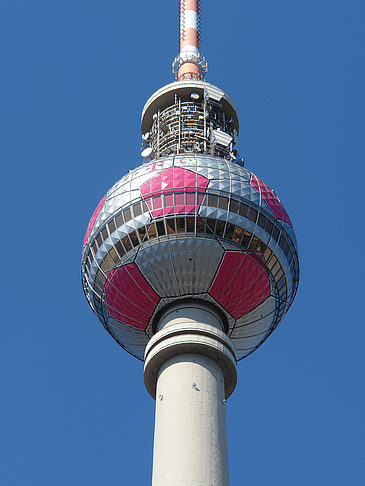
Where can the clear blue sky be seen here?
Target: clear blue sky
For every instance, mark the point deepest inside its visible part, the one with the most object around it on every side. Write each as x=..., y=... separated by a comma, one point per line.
x=75, y=76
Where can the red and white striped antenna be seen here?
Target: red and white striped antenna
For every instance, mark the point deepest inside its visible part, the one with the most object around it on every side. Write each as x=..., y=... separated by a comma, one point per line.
x=189, y=64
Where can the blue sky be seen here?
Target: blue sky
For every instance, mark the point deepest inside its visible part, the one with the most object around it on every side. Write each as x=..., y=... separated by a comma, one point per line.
x=75, y=76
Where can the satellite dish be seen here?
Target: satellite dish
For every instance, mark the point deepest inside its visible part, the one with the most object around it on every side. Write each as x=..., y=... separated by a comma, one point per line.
x=146, y=136
x=194, y=96
x=147, y=152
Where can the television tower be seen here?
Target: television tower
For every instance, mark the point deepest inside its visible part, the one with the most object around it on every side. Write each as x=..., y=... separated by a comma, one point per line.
x=190, y=262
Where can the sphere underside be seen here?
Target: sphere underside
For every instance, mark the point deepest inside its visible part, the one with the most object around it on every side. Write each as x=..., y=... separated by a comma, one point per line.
x=193, y=227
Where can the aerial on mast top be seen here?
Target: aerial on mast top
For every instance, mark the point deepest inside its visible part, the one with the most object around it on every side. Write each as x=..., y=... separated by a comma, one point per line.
x=189, y=63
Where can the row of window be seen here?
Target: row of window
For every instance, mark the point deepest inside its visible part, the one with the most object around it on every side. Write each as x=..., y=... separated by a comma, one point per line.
x=181, y=224
x=189, y=224
x=192, y=224
x=193, y=199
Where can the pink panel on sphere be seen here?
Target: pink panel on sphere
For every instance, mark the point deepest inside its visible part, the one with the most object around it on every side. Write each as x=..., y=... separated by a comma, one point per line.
x=129, y=297
x=241, y=283
x=169, y=200
x=272, y=200
x=174, y=179
x=180, y=199
x=93, y=219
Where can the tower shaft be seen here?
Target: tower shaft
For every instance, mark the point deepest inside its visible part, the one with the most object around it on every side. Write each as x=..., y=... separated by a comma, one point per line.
x=190, y=369
x=190, y=444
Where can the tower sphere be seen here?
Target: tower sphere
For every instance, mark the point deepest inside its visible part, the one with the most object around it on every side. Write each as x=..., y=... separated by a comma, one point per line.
x=189, y=226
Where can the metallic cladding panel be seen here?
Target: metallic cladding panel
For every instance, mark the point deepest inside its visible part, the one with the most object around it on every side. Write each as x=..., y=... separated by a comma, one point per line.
x=271, y=199
x=208, y=255
x=93, y=219
x=129, y=297
x=118, y=201
x=132, y=339
x=241, y=283
x=180, y=266
x=155, y=264
x=246, y=345
x=289, y=229
x=182, y=256
x=254, y=321
x=257, y=323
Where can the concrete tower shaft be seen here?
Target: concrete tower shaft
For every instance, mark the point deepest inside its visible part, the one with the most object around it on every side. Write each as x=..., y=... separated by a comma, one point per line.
x=190, y=368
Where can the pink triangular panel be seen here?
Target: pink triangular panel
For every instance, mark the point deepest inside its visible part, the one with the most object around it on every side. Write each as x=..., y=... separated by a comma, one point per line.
x=241, y=283
x=172, y=180
x=272, y=200
x=129, y=297
x=93, y=219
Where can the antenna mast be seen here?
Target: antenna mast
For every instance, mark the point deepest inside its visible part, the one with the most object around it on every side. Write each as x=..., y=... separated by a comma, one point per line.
x=189, y=64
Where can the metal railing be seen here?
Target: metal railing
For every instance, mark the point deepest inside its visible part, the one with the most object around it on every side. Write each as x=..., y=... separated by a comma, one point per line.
x=189, y=127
